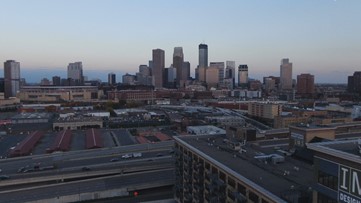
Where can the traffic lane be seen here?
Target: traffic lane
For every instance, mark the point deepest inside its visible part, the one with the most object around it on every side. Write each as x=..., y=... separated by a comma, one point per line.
x=12, y=165
x=100, y=184
x=165, y=161
x=84, y=161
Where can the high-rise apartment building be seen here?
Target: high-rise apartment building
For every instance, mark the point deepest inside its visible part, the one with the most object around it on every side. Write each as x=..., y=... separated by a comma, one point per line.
x=230, y=71
x=305, y=84
x=242, y=75
x=11, y=78
x=75, y=72
x=112, y=79
x=178, y=60
x=285, y=75
x=158, y=67
x=220, y=66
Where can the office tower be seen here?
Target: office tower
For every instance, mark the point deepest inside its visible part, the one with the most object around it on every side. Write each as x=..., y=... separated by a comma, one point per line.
x=285, y=75
x=128, y=79
x=305, y=84
x=203, y=55
x=178, y=60
x=144, y=70
x=354, y=83
x=56, y=80
x=158, y=67
x=230, y=71
x=220, y=66
x=11, y=78
x=112, y=79
x=186, y=68
x=75, y=72
x=243, y=75
x=212, y=76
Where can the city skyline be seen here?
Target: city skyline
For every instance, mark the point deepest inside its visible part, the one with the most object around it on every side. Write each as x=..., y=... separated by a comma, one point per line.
x=321, y=38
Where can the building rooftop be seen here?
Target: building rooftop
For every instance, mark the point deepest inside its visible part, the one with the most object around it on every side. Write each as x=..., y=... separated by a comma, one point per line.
x=345, y=149
x=32, y=116
x=255, y=167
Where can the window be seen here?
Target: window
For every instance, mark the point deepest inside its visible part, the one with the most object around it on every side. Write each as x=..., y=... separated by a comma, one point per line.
x=327, y=180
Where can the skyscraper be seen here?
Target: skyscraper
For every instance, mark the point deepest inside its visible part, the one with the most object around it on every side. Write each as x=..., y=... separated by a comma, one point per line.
x=203, y=55
x=230, y=71
x=243, y=75
x=220, y=66
x=305, y=84
x=75, y=72
x=158, y=67
x=112, y=79
x=203, y=62
x=285, y=75
x=178, y=60
x=185, y=73
x=11, y=78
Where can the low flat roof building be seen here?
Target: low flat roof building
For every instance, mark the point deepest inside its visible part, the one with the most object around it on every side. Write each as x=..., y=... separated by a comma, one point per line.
x=337, y=171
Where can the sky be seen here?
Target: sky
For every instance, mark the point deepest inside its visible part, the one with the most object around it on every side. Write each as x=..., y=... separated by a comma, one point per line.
x=321, y=37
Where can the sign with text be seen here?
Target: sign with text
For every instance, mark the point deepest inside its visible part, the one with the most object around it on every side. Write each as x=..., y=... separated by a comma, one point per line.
x=349, y=185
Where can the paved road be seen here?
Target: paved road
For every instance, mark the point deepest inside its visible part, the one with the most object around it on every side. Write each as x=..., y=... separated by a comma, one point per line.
x=84, y=157
x=101, y=184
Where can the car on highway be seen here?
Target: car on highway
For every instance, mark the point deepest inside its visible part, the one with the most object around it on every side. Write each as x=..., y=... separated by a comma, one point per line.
x=127, y=156
x=4, y=177
x=114, y=160
x=21, y=169
x=85, y=168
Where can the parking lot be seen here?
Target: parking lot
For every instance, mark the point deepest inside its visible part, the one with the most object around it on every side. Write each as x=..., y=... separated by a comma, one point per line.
x=110, y=138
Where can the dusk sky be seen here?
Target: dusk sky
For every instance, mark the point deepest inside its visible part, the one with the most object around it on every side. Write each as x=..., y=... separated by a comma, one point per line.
x=321, y=37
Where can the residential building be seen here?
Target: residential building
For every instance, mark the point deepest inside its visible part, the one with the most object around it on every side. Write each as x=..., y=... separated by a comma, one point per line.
x=305, y=84
x=212, y=168
x=266, y=110
x=11, y=78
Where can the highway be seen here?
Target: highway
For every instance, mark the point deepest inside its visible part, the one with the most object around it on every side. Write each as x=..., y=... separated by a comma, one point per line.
x=106, y=170
x=135, y=181
x=83, y=158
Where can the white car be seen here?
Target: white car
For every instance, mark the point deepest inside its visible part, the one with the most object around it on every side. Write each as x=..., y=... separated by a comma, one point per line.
x=126, y=156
